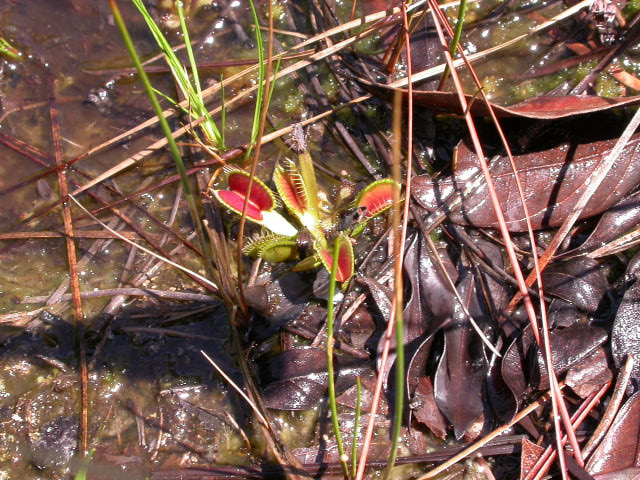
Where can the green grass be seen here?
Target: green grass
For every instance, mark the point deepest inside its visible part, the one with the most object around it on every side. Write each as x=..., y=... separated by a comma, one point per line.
x=189, y=85
x=262, y=76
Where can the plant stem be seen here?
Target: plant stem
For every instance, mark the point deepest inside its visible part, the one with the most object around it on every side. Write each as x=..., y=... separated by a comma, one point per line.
x=462, y=10
x=331, y=381
x=399, y=389
x=356, y=428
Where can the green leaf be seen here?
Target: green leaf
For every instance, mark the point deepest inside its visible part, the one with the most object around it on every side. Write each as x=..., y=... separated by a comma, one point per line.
x=272, y=248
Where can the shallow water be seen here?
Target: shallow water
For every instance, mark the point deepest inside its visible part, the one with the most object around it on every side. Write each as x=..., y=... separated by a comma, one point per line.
x=153, y=399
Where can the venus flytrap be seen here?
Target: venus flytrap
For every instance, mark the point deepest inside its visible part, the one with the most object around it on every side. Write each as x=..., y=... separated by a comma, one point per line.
x=298, y=191
x=294, y=193
x=272, y=248
x=345, y=258
x=261, y=202
x=374, y=199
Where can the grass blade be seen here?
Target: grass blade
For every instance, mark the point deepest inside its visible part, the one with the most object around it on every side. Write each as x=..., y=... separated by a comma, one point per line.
x=190, y=89
x=257, y=113
x=462, y=10
x=356, y=428
x=9, y=51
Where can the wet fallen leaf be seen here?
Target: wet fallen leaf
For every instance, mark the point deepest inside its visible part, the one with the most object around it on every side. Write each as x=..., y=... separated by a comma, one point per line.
x=417, y=363
x=495, y=291
x=632, y=473
x=588, y=376
x=382, y=298
x=625, y=335
x=431, y=301
x=425, y=409
x=540, y=108
x=513, y=365
x=415, y=314
x=349, y=397
x=278, y=299
x=358, y=328
x=501, y=398
x=463, y=365
x=563, y=314
x=297, y=378
x=435, y=290
x=618, y=455
x=570, y=346
x=616, y=221
x=580, y=281
x=529, y=456
x=552, y=181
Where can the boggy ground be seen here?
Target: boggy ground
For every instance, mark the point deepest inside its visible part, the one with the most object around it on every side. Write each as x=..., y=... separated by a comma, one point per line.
x=155, y=405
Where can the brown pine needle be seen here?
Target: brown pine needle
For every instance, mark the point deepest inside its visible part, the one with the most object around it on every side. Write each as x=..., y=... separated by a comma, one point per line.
x=75, y=282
